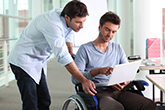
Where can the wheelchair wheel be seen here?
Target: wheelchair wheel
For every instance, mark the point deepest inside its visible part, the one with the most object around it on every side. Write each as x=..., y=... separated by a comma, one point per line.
x=74, y=102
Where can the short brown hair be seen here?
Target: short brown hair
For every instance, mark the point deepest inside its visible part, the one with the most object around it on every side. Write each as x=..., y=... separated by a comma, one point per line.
x=110, y=17
x=75, y=8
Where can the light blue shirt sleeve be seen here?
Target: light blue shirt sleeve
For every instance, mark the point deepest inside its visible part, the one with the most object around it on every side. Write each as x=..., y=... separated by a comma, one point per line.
x=69, y=38
x=57, y=43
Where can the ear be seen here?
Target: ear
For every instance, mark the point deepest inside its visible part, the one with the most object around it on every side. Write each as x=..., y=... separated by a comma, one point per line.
x=67, y=18
x=99, y=27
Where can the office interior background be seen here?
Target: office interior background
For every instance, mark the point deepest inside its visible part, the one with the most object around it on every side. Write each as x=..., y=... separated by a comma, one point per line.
x=140, y=19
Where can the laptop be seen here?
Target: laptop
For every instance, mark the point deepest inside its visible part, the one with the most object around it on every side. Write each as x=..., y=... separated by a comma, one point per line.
x=122, y=73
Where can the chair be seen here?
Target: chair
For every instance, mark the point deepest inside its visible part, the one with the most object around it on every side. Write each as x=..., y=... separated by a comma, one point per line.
x=83, y=101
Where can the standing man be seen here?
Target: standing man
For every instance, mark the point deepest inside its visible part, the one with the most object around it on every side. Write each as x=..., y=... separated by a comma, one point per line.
x=48, y=33
x=97, y=59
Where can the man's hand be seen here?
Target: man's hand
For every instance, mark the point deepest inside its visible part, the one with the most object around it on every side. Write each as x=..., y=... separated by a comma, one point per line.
x=89, y=87
x=106, y=70
x=119, y=87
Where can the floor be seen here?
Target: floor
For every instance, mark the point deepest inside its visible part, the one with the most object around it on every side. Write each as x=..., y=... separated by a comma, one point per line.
x=59, y=84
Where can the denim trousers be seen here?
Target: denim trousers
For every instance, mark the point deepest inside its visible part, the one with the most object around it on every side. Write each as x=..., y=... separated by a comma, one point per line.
x=34, y=96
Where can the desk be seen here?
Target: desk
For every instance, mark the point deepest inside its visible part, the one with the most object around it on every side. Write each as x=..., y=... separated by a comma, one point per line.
x=159, y=81
x=152, y=68
x=152, y=71
x=158, y=65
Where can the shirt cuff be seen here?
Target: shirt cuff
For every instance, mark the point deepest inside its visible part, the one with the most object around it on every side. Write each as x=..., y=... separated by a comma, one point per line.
x=65, y=60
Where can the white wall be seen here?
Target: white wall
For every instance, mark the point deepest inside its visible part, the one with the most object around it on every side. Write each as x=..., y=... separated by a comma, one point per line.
x=96, y=9
x=147, y=24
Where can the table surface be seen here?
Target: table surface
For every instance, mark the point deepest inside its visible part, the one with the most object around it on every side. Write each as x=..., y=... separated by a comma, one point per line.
x=158, y=80
x=144, y=67
x=158, y=65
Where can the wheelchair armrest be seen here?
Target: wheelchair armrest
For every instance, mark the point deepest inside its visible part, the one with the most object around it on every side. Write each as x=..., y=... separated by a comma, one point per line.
x=138, y=83
x=78, y=88
x=145, y=83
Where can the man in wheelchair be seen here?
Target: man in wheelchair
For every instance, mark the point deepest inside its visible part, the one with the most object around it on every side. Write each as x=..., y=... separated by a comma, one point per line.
x=96, y=61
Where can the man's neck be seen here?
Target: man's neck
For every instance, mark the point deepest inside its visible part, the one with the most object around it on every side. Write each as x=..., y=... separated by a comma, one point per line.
x=101, y=45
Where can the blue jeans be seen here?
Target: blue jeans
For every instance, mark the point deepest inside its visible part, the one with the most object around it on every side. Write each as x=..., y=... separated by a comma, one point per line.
x=34, y=96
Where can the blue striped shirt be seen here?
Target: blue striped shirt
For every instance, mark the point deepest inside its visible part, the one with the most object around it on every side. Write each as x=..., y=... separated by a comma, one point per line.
x=44, y=35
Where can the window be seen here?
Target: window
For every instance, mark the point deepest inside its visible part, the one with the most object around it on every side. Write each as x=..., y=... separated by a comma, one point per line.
x=14, y=16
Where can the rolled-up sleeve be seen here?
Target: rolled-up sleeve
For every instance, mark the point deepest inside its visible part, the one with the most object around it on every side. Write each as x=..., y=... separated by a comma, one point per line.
x=56, y=40
x=69, y=37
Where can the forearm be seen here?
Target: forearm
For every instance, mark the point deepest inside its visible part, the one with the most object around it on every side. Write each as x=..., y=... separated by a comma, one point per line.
x=94, y=72
x=105, y=71
x=85, y=73
x=88, y=85
x=72, y=68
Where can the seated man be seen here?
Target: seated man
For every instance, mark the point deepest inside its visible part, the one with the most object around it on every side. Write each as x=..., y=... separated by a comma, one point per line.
x=96, y=61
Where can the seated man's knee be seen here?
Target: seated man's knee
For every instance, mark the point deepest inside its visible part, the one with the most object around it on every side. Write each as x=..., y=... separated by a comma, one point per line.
x=108, y=103
x=151, y=106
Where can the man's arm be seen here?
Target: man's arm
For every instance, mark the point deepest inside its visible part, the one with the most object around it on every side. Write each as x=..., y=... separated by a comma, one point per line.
x=88, y=85
x=70, y=49
x=59, y=47
x=105, y=71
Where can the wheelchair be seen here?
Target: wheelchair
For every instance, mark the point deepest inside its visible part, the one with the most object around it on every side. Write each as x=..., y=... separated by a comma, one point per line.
x=83, y=101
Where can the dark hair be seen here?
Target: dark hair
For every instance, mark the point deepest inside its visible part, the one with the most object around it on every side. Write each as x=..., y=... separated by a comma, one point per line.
x=75, y=8
x=110, y=17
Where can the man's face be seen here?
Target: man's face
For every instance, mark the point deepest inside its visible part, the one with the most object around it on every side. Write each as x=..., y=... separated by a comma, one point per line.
x=76, y=23
x=107, y=31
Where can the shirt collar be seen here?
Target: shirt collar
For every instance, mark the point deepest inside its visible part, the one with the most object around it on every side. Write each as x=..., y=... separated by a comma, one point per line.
x=66, y=29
